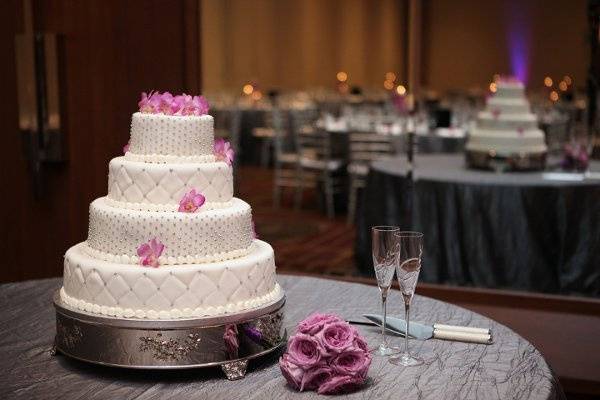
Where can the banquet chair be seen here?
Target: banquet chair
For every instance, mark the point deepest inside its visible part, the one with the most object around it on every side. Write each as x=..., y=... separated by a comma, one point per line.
x=316, y=166
x=363, y=149
x=265, y=135
x=285, y=158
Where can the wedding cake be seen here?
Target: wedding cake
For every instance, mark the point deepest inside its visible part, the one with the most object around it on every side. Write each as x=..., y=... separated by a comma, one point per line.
x=507, y=129
x=169, y=240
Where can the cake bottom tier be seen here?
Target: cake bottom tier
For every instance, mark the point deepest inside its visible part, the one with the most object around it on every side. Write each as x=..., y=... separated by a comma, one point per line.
x=170, y=291
x=531, y=142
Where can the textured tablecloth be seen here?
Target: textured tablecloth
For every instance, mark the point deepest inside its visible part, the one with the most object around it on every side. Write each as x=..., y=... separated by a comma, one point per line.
x=511, y=368
x=510, y=230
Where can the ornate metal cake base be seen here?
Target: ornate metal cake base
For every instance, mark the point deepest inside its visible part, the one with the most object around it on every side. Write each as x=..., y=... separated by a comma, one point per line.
x=228, y=341
x=516, y=162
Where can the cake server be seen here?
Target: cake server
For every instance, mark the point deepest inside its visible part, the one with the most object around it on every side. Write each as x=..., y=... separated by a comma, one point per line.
x=435, y=331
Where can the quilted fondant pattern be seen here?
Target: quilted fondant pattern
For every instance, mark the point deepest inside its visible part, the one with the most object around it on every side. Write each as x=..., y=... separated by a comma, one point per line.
x=206, y=289
x=191, y=235
x=173, y=135
x=137, y=182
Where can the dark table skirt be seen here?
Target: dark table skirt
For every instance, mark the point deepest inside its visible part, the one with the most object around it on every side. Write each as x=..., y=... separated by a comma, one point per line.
x=517, y=231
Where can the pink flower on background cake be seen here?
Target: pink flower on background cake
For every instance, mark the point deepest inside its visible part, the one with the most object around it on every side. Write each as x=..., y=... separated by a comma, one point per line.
x=191, y=201
x=150, y=252
x=167, y=104
x=223, y=151
x=126, y=148
x=520, y=131
x=496, y=113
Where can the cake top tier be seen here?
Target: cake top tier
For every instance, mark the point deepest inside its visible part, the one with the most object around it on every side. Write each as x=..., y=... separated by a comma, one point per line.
x=509, y=88
x=169, y=127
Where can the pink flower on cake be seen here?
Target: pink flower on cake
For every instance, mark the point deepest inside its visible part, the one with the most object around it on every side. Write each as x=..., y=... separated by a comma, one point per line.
x=520, y=131
x=167, y=104
x=223, y=151
x=150, y=252
x=191, y=201
x=126, y=148
x=496, y=113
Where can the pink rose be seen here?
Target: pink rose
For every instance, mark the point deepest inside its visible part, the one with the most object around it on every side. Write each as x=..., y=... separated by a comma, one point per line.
x=304, y=350
x=314, y=377
x=337, y=336
x=232, y=343
x=314, y=323
x=353, y=362
x=359, y=343
x=340, y=384
x=292, y=373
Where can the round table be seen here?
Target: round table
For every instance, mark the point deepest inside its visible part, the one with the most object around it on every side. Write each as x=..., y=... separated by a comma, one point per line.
x=523, y=230
x=510, y=368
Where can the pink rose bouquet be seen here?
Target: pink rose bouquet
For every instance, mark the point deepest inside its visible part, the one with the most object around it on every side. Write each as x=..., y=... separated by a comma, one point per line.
x=325, y=354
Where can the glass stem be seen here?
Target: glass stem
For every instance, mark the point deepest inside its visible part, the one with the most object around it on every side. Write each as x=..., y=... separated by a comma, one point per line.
x=384, y=313
x=407, y=318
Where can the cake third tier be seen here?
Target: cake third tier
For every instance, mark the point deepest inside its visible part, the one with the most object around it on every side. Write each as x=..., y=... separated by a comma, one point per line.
x=207, y=236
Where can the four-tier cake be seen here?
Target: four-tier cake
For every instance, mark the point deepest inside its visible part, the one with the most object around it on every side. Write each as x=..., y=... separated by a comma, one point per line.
x=169, y=240
x=507, y=131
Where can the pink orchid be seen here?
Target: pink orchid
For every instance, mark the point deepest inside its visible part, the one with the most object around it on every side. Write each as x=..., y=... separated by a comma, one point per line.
x=126, y=147
x=150, y=252
x=191, y=201
x=223, y=151
x=167, y=104
x=496, y=113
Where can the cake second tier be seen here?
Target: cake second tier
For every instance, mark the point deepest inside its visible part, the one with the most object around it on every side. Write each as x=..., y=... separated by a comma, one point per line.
x=189, y=238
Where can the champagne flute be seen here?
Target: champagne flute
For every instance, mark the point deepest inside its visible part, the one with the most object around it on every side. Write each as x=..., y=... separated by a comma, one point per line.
x=410, y=251
x=385, y=253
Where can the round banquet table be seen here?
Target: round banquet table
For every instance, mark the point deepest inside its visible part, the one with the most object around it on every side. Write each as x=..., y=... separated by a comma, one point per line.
x=523, y=230
x=510, y=368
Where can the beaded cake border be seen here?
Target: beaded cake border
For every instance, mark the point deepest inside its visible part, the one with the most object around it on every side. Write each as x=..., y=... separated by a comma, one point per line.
x=164, y=260
x=174, y=313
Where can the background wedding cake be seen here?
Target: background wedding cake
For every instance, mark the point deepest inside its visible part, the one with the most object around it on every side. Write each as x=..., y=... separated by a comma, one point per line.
x=507, y=129
x=170, y=240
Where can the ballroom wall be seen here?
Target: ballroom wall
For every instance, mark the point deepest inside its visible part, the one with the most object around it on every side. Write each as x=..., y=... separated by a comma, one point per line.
x=300, y=43
x=303, y=43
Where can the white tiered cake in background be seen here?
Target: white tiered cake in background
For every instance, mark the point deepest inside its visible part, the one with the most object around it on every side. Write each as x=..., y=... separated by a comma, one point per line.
x=508, y=130
x=170, y=240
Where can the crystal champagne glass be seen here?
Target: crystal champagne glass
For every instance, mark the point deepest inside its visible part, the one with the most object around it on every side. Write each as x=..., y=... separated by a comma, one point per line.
x=385, y=252
x=410, y=250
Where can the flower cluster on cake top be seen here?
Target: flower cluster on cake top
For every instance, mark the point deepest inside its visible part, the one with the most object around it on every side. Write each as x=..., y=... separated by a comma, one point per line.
x=167, y=104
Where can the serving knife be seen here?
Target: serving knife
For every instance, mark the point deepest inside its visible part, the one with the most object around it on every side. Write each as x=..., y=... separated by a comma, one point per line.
x=435, y=331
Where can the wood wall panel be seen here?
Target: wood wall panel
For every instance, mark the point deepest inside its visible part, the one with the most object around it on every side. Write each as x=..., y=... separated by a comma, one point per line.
x=297, y=44
x=113, y=51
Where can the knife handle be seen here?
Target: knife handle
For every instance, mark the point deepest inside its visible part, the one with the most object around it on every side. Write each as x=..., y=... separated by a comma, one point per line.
x=455, y=328
x=469, y=337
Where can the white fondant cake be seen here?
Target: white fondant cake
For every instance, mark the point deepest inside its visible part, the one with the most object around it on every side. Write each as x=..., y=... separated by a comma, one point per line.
x=507, y=126
x=211, y=264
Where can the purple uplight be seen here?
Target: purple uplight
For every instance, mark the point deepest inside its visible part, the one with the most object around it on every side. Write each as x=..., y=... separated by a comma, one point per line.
x=518, y=38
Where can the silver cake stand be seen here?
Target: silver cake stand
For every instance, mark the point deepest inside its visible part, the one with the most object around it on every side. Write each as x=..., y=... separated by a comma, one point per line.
x=515, y=162
x=227, y=341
